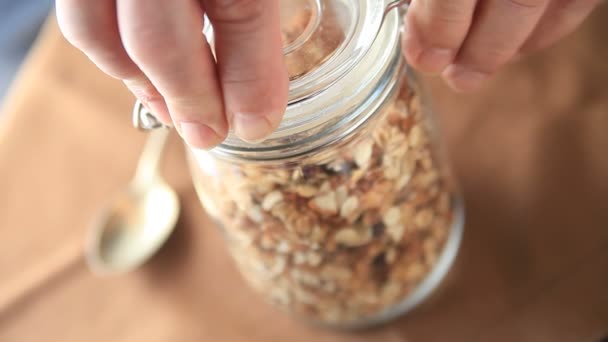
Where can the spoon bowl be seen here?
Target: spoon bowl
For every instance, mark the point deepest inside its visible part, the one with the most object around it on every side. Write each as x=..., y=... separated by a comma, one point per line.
x=133, y=228
x=138, y=221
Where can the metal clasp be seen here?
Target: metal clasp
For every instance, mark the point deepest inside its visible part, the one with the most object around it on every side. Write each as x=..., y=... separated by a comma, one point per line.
x=143, y=119
x=402, y=5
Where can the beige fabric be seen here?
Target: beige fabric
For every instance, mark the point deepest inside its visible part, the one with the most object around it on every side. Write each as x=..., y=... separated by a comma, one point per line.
x=530, y=150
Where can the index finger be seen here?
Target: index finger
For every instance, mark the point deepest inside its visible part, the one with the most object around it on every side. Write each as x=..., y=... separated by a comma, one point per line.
x=250, y=64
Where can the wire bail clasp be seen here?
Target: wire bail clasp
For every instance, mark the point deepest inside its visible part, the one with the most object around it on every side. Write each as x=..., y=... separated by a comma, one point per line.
x=402, y=5
x=143, y=119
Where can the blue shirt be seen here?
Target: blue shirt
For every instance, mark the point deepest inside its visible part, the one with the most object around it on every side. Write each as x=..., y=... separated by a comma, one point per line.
x=20, y=21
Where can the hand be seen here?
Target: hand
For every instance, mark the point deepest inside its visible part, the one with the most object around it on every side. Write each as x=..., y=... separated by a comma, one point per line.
x=157, y=49
x=468, y=40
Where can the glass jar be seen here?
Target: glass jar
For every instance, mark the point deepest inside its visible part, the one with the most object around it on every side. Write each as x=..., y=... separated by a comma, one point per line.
x=347, y=214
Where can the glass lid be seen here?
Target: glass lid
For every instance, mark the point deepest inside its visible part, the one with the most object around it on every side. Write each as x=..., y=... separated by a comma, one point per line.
x=343, y=59
x=323, y=40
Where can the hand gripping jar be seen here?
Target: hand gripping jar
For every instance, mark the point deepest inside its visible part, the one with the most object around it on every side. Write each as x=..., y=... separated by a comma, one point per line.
x=346, y=215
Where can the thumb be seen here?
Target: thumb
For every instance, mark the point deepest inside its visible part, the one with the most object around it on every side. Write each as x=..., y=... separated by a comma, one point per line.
x=250, y=64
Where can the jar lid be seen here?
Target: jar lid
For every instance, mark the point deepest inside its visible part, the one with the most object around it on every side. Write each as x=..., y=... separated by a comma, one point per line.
x=342, y=57
x=324, y=39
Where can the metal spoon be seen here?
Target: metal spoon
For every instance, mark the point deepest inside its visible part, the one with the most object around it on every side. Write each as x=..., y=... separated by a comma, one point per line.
x=139, y=220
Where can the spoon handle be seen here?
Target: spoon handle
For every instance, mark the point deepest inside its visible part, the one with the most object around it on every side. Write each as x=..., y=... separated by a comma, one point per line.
x=149, y=162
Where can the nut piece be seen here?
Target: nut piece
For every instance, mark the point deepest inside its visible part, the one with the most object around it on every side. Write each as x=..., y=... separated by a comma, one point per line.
x=424, y=217
x=416, y=139
x=332, y=272
x=314, y=259
x=271, y=200
x=390, y=291
x=305, y=278
x=341, y=194
x=306, y=191
x=283, y=247
x=299, y=258
x=325, y=204
x=390, y=256
x=349, y=207
x=255, y=214
x=392, y=217
x=396, y=232
x=363, y=153
x=352, y=238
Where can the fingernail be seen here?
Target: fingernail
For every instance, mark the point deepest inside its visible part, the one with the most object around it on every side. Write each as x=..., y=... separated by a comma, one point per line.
x=434, y=59
x=198, y=135
x=252, y=128
x=464, y=79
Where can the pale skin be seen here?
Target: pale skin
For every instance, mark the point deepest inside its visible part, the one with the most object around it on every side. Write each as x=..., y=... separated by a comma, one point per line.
x=156, y=48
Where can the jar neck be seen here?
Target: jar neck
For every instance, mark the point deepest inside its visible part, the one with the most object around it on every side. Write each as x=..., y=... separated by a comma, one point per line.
x=324, y=119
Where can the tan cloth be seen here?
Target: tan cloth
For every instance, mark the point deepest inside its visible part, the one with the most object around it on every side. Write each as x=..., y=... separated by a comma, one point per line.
x=530, y=151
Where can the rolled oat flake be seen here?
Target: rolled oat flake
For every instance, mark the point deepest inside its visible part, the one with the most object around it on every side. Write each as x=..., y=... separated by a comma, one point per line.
x=346, y=215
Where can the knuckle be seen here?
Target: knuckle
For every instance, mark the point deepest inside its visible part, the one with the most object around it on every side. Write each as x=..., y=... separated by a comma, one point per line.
x=143, y=89
x=449, y=12
x=491, y=59
x=443, y=34
x=154, y=51
x=236, y=11
x=444, y=26
x=190, y=102
x=114, y=63
x=148, y=43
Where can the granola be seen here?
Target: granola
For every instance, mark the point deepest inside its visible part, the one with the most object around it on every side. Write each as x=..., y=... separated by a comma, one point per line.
x=344, y=239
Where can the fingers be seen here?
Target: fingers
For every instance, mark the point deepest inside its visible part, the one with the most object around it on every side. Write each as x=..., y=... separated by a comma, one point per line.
x=561, y=18
x=164, y=39
x=91, y=26
x=250, y=64
x=435, y=31
x=499, y=30
x=168, y=65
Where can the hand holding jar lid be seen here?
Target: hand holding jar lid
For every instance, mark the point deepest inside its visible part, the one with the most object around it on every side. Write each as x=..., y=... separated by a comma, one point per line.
x=156, y=48
x=330, y=187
